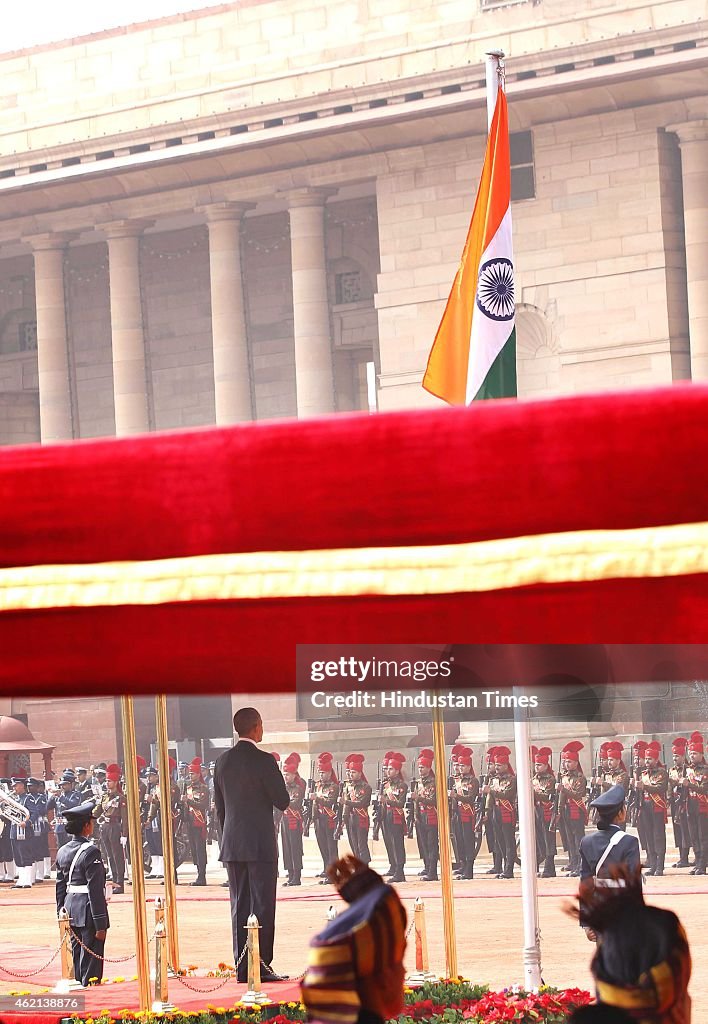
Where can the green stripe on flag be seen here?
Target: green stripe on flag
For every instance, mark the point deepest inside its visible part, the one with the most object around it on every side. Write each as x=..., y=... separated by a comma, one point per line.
x=500, y=382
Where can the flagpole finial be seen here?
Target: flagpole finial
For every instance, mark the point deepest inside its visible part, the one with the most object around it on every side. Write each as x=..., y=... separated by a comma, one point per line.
x=497, y=58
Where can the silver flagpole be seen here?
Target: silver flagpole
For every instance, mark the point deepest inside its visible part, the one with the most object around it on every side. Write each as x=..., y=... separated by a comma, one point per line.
x=527, y=830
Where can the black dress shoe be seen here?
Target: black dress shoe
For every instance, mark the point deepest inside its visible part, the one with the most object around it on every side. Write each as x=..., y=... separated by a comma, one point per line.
x=295, y=881
x=118, y=892
x=199, y=881
x=397, y=878
x=325, y=881
x=682, y=864
x=225, y=885
x=268, y=974
x=491, y=871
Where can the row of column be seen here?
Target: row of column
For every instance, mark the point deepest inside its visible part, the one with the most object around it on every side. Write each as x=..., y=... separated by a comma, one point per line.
x=232, y=373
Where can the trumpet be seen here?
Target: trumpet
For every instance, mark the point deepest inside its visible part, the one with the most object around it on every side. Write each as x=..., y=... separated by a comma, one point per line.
x=11, y=810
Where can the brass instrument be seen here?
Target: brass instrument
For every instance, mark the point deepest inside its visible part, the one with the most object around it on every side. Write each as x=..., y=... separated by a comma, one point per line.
x=11, y=810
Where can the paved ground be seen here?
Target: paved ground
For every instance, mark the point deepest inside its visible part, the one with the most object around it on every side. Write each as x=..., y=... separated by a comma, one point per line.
x=488, y=922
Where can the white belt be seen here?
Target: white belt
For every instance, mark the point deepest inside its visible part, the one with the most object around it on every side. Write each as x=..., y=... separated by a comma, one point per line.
x=610, y=883
x=77, y=888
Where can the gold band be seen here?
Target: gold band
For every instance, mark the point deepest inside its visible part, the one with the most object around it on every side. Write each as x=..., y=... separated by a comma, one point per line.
x=572, y=557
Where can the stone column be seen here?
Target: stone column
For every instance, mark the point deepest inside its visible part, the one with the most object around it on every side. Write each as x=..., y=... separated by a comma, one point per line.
x=55, y=416
x=130, y=384
x=693, y=139
x=314, y=373
x=232, y=371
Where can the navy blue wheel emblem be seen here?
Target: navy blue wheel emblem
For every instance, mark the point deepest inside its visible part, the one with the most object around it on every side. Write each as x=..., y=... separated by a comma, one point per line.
x=495, y=292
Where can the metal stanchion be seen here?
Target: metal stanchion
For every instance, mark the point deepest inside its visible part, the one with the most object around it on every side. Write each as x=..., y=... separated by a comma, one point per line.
x=163, y=757
x=161, y=1003
x=254, y=994
x=445, y=856
x=68, y=982
x=135, y=834
x=422, y=972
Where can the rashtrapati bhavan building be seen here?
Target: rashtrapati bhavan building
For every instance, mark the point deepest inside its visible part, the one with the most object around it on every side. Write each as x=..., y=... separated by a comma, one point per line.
x=256, y=210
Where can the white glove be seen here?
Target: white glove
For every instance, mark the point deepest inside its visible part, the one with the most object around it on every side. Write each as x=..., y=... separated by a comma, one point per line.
x=123, y=840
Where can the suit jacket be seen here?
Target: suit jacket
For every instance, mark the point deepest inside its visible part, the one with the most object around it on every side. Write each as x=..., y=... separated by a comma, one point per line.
x=247, y=786
x=594, y=845
x=81, y=907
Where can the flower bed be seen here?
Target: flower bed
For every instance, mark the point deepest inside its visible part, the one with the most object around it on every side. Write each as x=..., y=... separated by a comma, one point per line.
x=444, y=1002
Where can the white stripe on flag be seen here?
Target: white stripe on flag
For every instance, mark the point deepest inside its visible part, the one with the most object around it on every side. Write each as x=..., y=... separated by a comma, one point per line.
x=488, y=335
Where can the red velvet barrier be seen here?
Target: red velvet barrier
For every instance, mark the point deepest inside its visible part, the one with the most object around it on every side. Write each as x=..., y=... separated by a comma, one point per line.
x=499, y=469
x=496, y=469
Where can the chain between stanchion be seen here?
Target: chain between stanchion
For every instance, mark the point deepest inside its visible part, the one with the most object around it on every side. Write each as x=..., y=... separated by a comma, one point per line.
x=31, y=974
x=213, y=988
x=107, y=959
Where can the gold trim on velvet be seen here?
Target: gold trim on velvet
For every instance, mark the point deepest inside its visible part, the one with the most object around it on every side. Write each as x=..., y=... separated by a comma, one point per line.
x=580, y=556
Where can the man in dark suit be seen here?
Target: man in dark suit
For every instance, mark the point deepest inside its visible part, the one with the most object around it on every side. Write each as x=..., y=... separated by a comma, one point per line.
x=247, y=786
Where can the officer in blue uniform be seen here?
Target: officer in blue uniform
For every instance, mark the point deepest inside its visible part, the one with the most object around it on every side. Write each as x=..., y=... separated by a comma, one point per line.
x=68, y=798
x=36, y=803
x=610, y=845
x=22, y=837
x=81, y=891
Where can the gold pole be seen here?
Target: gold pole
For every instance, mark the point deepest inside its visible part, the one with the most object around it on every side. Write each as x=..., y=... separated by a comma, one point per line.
x=135, y=836
x=168, y=850
x=444, y=834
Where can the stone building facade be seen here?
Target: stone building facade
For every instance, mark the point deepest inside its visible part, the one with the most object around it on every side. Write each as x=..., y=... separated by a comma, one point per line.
x=256, y=210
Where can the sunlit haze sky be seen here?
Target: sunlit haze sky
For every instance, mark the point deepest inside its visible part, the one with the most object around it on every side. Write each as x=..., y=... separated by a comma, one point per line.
x=46, y=21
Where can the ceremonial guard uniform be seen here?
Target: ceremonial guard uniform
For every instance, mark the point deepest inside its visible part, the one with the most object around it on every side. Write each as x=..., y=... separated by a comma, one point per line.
x=196, y=800
x=111, y=814
x=634, y=801
x=452, y=809
x=393, y=821
x=653, y=789
x=488, y=818
x=291, y=825
x=696, y=782
x=357, y=800
x=63, y=801
x=277, y=813
x=7, y=864
x=81, y=891
x=83, y=782
x=465, y=792
x=22, y=838
x=616, y=774
x=544, y=796
x=501, y=802
x=678, y=801
x=37, y=805
x=325, y=812
x=571, y=804
x=596, y=859
x=151, y=816
x=425, y=815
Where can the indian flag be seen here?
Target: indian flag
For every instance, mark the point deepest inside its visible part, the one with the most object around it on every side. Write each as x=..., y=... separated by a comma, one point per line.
x=474, y=352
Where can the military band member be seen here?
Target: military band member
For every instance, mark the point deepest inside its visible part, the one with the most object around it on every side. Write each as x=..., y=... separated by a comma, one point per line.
x=501, y=804
x=21, y=836
x=678, y=801
x=617, y=774
x=196, y=802
x=37, y=804
x=81, y=891
x=464, y=797
x=357, y=800
x=68, y=797
x=111, y=814
x=325, y=812
x=393, y=822
x=571, y=804
x=7, y=864
x=696, y=783
x=601, y=771
x=83, y=782
x=653, y=790
x=291, y=825
x=544, y=797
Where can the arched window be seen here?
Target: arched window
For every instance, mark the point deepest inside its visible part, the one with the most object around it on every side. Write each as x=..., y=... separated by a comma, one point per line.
x=537, y=356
